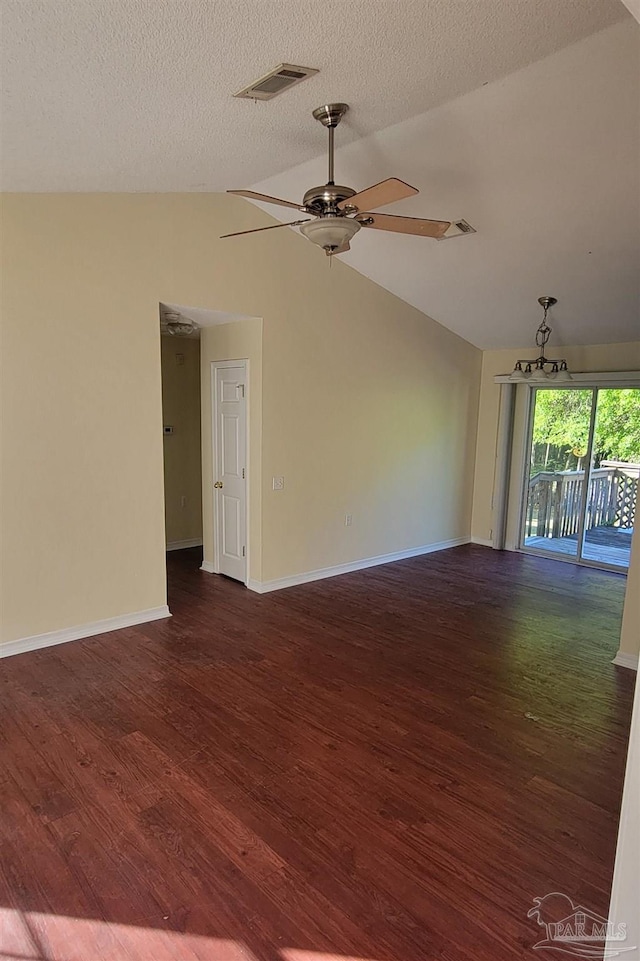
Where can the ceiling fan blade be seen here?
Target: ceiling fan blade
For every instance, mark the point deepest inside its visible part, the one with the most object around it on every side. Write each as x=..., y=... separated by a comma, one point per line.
x=252, y=195
x=386, y=192
x=256, y=230
x=340, y=250
x=405, y=225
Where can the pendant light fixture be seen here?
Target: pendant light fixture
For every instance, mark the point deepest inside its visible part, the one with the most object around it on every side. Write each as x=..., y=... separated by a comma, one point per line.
x=171, y=322
x=541, y=369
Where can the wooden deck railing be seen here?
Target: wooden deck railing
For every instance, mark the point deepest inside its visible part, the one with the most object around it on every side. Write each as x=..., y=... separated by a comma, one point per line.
x=554, y=501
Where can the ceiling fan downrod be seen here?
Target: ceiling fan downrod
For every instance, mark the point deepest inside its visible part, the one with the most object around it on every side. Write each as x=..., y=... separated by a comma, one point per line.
x=330, y=116
x=331, y=181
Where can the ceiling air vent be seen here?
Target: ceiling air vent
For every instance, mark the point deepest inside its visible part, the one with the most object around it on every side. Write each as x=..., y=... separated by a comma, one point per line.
x=276, y=81
x=457, y=229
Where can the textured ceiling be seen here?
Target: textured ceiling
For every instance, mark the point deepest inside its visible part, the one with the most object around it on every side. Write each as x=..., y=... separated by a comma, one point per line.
x=128, y=95
x=520, y=116
x=545, y=163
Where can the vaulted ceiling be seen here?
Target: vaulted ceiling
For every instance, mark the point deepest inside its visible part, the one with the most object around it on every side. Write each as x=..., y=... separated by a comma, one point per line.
x=545, y=164
x=519, y=116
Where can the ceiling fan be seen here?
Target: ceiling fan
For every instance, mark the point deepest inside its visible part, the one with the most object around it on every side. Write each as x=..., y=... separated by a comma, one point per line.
x=340, y=212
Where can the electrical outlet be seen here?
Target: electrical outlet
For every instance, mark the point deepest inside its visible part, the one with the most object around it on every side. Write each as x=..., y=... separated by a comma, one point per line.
x=348, y=518
x=183, y=501
x=278, y=483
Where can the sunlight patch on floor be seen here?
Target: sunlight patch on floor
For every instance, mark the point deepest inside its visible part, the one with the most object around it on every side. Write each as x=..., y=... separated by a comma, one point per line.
x=33, y=936
x=296, y=954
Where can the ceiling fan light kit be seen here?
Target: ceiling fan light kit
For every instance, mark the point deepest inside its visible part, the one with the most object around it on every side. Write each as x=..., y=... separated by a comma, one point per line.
x=341, y=211
x=541, y=370
x=173, y=323
x=330, y=232
x=181, y=329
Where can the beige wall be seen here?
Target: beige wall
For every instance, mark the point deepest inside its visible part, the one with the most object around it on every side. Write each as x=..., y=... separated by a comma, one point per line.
x=587, y=359
x=368, y=406
x=182, y=460
x=370, y=409
x=623, y=907
x=83, y=525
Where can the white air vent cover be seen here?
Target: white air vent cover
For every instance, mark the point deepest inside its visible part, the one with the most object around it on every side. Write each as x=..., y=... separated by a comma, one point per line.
x=276, y=81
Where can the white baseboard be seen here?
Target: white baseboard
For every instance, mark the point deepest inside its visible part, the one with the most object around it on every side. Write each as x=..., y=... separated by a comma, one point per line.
x=207, y=567
x=482, y=541
x=181, y=545
x=264, y=587
x=622, y=659
x=37, y=641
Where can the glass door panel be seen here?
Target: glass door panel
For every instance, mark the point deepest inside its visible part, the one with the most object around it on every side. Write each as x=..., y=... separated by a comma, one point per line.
x=613, y=484
x=558, y=449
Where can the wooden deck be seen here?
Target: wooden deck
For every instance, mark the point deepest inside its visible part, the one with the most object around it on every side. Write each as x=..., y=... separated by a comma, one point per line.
x=385, y=766
x=554, y=500
x=603, y=545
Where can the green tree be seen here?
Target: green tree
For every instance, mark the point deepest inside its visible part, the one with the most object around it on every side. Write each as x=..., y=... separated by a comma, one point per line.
x=562, y=418
x=561, y=427
x=617, y=434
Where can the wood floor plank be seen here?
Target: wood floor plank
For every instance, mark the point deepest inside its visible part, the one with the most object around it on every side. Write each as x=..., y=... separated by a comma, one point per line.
x=384, y=766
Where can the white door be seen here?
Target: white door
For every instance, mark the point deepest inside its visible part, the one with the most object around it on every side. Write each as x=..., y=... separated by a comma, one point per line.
x=229, y=481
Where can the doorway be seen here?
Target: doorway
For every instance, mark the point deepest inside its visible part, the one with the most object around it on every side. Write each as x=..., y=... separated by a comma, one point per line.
x=180, y=356
x=229, y=385
x=581, y=489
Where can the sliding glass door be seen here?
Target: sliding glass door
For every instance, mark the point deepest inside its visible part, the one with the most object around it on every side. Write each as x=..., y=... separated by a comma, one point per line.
x=581, y=489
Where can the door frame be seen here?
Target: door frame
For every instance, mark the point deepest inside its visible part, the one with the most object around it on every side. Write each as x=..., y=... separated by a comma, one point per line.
x=221, y=365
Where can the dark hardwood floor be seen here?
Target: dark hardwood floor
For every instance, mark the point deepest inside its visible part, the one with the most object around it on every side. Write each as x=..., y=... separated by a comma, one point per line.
x=386, y=766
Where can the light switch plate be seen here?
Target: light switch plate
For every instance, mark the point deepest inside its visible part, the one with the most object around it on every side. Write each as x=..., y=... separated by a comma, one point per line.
x=278, y=483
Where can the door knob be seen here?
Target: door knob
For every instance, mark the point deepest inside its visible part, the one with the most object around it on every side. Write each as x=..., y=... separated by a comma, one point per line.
x=218, y=484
